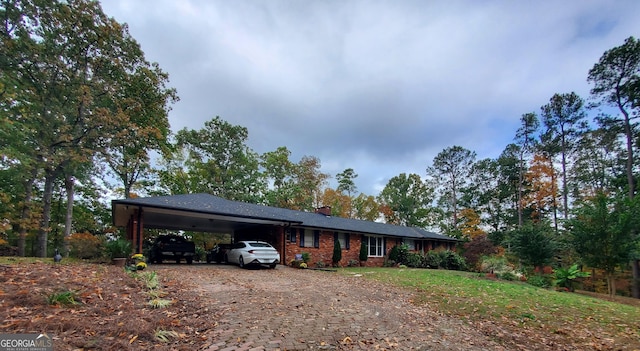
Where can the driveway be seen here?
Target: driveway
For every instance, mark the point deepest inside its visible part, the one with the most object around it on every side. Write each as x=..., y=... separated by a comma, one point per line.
x=294, y=309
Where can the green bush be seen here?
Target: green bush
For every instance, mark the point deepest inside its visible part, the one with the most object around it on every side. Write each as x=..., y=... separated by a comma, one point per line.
x=201, y=254
x=445, y=259
x=507, y=276
x=432, y=260
x=415, y=260
x=541, y=281
x=565, y=277
x=393, y=253
x=337, y=253
x=451, y=260
x=119, y=248
x=306, y=257
x=364, y=251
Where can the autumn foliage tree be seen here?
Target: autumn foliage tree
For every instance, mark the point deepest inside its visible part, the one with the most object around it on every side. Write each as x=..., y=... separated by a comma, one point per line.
x=542, y=194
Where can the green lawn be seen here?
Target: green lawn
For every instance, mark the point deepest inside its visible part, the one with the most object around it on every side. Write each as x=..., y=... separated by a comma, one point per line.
x=470, y=296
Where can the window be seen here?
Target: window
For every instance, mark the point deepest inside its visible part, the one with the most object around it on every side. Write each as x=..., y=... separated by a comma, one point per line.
x=376, y=246
x=411, y=244
x=309, y=238
x=292, y=234
x=343, y=238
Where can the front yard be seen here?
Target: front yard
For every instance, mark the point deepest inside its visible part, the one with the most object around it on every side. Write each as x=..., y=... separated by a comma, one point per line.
x=211, y=307
x=518, y=312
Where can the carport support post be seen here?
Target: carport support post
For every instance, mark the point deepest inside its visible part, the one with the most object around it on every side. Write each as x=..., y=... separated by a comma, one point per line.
x=134, y=230
x=140, y=230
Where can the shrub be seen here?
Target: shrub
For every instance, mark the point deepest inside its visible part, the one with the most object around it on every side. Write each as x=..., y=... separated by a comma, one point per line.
x=565, y=277
x=388, y=263
x=507, y=276
x=364, y=251
x=494, y=264
x=119, y=248
x=541, y=281
x=415, y=260
x=201, y=254
x=393, y=253
x=353, y=263
x=85, y=245
x=432, y=260
x=451, y=260
x=475, y=249
x=337, y=253
x=445, y=259
x=306, y=257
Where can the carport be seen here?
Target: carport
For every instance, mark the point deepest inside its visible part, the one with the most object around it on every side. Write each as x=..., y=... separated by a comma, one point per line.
x=198, y=213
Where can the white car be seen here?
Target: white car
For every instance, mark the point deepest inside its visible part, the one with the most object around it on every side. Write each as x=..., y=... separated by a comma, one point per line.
x=244, y=253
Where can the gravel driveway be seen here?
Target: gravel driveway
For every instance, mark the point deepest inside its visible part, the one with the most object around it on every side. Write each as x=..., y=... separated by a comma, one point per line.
x=294, y=309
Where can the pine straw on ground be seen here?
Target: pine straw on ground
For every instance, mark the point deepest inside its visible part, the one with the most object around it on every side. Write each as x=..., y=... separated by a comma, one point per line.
x=111, y=310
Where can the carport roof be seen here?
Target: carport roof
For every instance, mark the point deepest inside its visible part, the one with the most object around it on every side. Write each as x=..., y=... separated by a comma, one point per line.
x=208, y=213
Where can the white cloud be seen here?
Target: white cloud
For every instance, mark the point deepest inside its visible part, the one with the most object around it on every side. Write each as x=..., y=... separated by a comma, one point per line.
x=378, y=86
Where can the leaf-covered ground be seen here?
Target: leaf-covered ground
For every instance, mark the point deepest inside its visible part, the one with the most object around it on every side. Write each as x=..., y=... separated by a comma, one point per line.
x=111, y=309
x=222, y=307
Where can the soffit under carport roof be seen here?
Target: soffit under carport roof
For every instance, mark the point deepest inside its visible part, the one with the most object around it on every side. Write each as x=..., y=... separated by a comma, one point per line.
x=196, y=212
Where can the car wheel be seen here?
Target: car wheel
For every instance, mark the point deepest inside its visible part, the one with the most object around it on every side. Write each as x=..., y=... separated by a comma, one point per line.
x=189, y=260
x=272, y=266
x=225, y=259
x=241, y=262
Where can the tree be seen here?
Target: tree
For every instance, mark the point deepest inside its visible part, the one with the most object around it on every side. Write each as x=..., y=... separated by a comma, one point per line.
x=543, y=189
x=63, y=61
x=597, y=164
x=365, y=207
x=280, y=173
x=615, y=82
x=339, y=202
x=564, y=119
x=309, y=183
x=450, y=170
x=603, y=233
x=407, y=200
x=346, y=183
x=525, y=139
x=470, y=223
x=143, y=106
x=533, y=244
x=220, y=161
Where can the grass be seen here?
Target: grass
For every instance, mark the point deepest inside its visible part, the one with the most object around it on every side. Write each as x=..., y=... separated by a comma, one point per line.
x=470, y=296
x=65, y=298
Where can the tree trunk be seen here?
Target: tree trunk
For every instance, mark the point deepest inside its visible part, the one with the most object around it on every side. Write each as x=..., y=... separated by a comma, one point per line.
x=25, y=214
x=611, y=282
x=520, y=180
x=46, y=213
x=635, y=284
x=68, y=184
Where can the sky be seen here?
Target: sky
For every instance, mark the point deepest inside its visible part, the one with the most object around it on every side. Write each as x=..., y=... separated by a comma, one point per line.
x=378, y=86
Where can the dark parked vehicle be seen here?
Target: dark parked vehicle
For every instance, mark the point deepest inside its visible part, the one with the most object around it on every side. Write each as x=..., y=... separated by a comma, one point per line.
x=172, y=247
x=218, y=253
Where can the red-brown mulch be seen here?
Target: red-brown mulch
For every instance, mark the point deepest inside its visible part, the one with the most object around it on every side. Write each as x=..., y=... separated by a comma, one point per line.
x=112, y=310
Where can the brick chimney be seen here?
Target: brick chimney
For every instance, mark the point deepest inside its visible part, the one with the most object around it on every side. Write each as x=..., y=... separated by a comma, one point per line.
x=325, y=210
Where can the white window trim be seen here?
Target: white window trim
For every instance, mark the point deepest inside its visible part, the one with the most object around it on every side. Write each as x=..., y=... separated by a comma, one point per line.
x=379, y=248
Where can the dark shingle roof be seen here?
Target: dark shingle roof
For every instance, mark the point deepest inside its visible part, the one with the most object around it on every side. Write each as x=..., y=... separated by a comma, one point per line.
x=209, y=204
